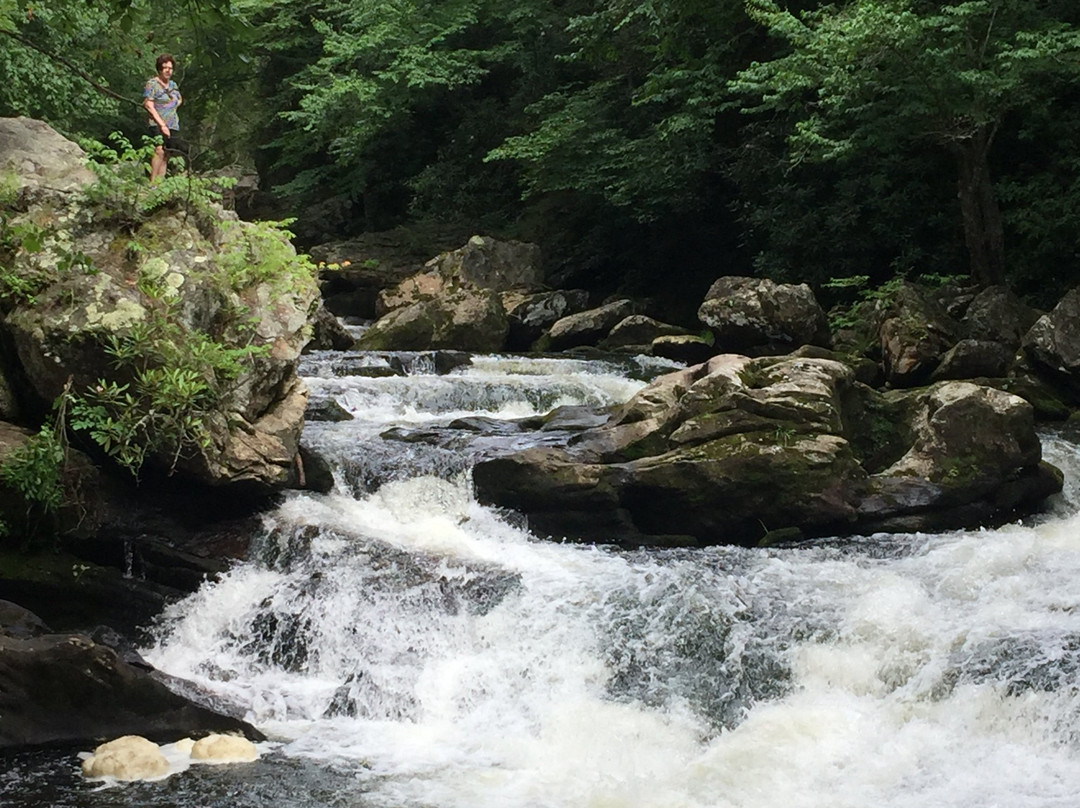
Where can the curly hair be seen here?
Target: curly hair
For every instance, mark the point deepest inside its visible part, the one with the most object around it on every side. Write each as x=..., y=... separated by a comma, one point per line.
x=165, y=57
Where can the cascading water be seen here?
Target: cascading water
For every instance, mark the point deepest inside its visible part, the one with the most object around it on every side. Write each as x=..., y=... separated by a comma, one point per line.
x=404, y=646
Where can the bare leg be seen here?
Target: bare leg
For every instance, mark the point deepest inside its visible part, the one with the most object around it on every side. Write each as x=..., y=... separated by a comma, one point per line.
x=158, y=163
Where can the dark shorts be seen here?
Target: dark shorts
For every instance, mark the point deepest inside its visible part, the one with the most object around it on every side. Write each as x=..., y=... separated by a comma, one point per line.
x=172, y=143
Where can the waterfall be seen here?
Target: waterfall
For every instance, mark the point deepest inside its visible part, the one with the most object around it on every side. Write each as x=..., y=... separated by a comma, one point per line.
x=438, y=653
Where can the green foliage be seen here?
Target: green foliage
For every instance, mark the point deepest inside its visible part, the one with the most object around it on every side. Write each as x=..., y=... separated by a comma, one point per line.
x=34, y=472
x=50, y=254
x=871, y=84
x=37, y=474
x=261, y=252
x=177, y=379
x=122, y=193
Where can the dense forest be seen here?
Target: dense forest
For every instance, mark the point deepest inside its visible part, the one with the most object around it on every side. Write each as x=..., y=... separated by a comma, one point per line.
x=648, y=145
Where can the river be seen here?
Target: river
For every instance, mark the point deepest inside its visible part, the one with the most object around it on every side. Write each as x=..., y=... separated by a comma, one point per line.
x=405, y=647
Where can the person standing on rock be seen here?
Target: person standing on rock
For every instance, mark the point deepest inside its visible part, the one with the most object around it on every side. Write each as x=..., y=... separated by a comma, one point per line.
x=161, y=98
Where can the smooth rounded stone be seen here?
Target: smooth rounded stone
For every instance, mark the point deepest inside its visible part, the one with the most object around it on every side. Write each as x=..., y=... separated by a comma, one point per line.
x=224, y=749
x=130, y=757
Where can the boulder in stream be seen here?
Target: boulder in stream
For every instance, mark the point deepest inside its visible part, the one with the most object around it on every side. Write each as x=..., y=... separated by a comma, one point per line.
x=66, y=689
x=736, y=449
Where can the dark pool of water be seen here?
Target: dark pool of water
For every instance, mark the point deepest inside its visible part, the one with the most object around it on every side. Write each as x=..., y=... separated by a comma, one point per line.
x=51, y=779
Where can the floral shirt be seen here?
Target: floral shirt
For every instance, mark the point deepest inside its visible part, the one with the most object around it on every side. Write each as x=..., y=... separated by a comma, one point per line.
x=166, y=100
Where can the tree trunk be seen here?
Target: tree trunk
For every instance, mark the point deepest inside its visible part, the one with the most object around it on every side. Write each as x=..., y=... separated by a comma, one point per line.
x=983, y=232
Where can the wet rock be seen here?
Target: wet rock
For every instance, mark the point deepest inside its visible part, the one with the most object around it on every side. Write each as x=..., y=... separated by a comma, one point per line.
x=327, y=409
x=67, y=689
x=318, y=475
x=735, y=449
x=328, y=334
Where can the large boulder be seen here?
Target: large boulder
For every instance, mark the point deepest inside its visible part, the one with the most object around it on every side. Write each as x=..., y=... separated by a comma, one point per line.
x=465, y=319
x=487, y=263
x=586, y=327
x=759, y=315
x=67, y=689
x=734, y=450
x=1053, y=344
x=225, y=301
x=998, y=315
x=531, y=315
x=916, y=331
x=457, y=301
x=41, y=159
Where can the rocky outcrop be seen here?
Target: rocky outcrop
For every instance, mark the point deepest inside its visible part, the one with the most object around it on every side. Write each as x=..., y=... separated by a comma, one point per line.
x=735, y=449
x=915, y=332
x=43, y=160
x=68, y=689
x=1053, y=344
x=758, y=315
x=81, y=507
x=107, y=298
